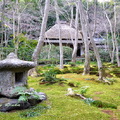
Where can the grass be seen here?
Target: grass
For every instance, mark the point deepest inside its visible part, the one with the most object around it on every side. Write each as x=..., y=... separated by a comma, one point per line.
x=62, y=107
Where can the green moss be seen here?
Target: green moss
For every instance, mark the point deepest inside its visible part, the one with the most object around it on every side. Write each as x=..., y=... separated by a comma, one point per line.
x=93, y=68
x=65, y=70
x=62, y=107
x=56, y=70
x=93, y=72
x=76, y=70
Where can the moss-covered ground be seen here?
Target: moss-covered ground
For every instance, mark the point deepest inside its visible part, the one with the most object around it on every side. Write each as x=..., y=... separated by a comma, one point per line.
x=58, y=106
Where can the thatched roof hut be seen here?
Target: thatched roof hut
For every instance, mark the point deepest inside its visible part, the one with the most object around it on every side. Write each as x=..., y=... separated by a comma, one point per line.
x=67, y=33
x=68, y=37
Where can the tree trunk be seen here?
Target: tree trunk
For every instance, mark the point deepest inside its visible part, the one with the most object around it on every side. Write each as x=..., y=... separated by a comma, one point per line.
x=49, y=50
x=85, y=38
x=113, y=42
x=99, y=63
x=71, y=21
x=60, y=40
x=76, y=36
x=18, y=21
x=2, y=25
x=116, y=42
x=71, y=25
x=2, y=21
x=14, y=24
x=107, y=42
x=42, y=33
x=95, y=14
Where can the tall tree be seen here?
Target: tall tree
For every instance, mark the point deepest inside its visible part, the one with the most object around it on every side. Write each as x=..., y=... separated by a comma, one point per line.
x=2, y=26
x=112, y=34
x=42, y=33
x=88, y=29
x=85, y=37
x=95, y=15
x=60, y=40
x=116, y=42
x=76, y=35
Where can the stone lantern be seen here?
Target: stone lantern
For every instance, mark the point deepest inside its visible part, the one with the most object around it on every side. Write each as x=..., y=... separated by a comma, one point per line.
x=13, y=73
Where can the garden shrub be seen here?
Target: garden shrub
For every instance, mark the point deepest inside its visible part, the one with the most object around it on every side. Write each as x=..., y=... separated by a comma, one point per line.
x=53, y=52
x=104, y=55
x=25, y=48
x=67, y=52
x=6, y=51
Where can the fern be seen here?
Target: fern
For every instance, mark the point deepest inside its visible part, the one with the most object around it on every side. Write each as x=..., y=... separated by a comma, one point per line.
x=83, y=90
x=19, y=90
x=50, y=77
x=24, y=94
x=22, y=98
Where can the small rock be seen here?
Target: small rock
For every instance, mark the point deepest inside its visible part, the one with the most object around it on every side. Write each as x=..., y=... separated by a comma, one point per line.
x=7, y=104
x=13, y=104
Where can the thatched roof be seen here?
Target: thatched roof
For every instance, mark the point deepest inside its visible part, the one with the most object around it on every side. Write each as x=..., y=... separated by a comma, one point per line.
x=67, y=32
x=12, y=62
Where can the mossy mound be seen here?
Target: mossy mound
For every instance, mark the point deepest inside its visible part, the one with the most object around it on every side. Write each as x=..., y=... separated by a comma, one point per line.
x=76, y=70
x=101, y=104
x=116, y=72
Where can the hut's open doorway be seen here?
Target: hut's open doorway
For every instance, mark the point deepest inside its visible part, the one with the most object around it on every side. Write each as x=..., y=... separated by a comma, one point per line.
x=79, y=52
